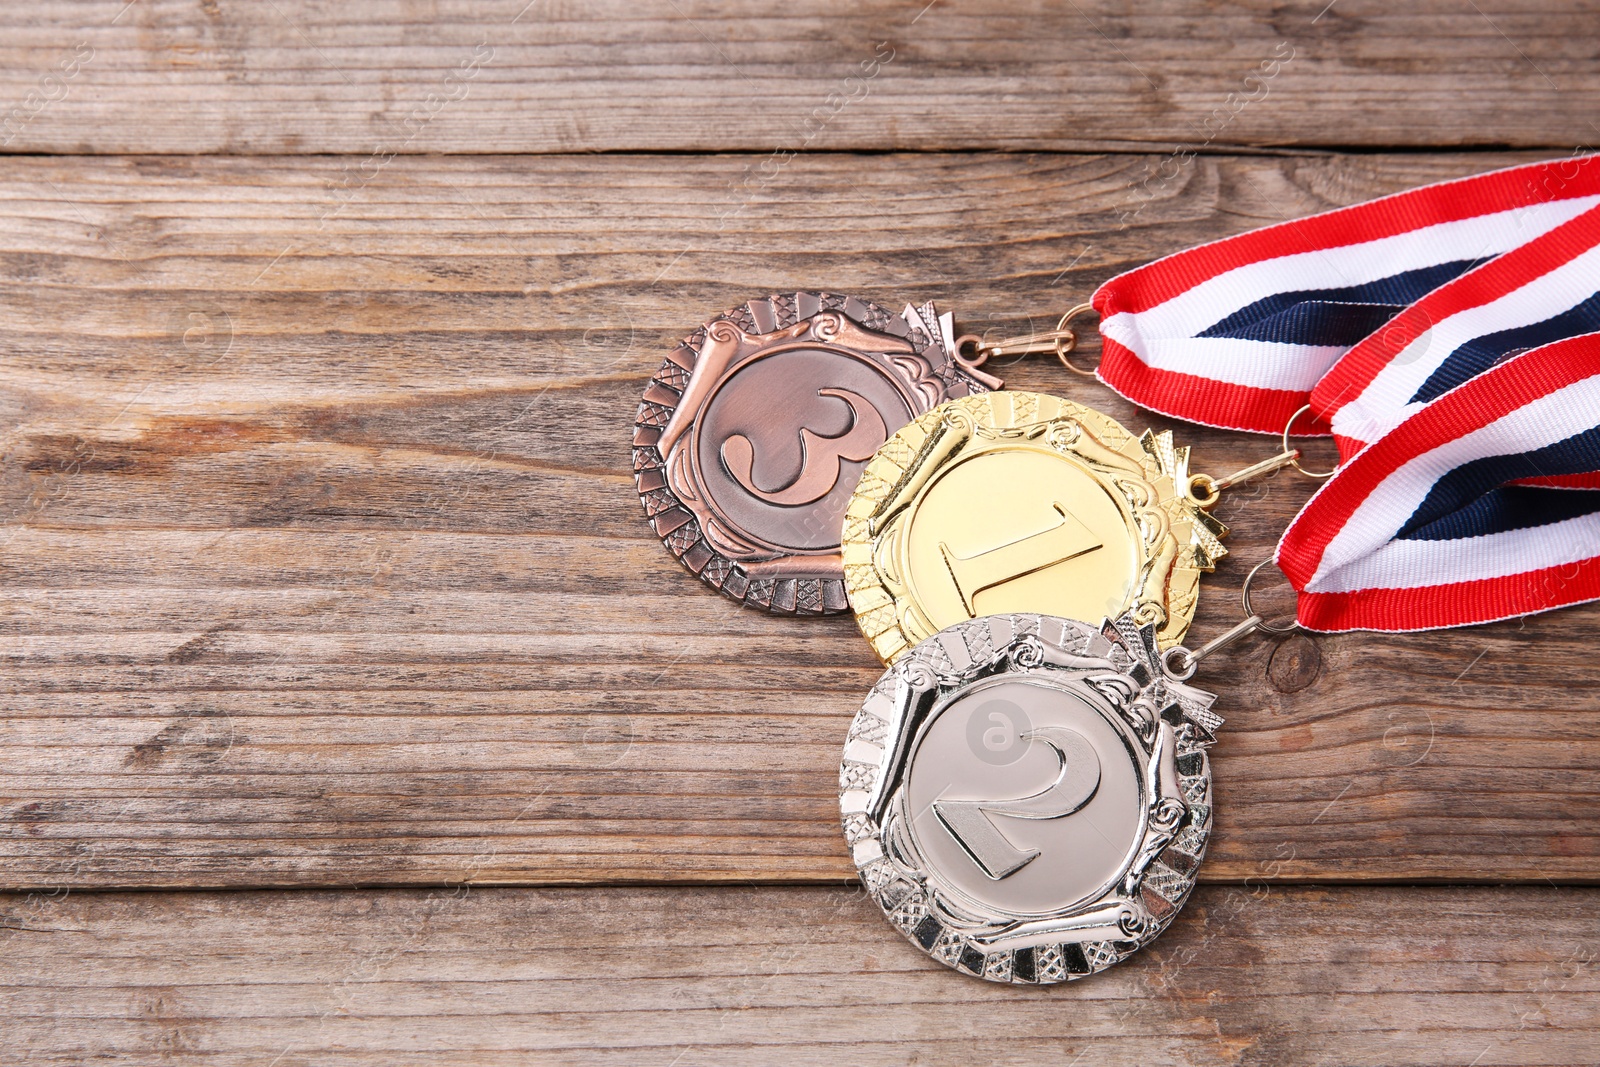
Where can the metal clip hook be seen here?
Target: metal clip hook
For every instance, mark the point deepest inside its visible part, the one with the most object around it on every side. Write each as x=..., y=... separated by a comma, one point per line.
x=1205, y=490
x=1062, y=340
x=1181, y=663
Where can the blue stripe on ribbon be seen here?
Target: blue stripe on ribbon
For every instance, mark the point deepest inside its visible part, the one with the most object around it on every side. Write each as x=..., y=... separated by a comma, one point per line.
x=1479, y=354
x=1474, y=499
x=1511, y=507
x=1335, y=316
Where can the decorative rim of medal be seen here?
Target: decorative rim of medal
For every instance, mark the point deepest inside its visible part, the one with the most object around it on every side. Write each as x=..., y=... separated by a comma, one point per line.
x=1116, y=669
x=914, y=351
x=1147, y=477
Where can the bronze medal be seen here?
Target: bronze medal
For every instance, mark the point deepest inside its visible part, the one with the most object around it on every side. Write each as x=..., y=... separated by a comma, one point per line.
x=752, y=435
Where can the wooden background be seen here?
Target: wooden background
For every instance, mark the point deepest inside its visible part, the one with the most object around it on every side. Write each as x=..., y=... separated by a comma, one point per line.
x=351, y=713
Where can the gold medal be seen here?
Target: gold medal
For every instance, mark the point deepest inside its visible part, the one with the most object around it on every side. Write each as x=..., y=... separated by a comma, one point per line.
x=1022, y=502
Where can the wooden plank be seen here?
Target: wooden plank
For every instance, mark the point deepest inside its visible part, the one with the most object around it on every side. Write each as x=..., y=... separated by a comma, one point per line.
x=794, y=976
x=322, y=563
x=377, y=77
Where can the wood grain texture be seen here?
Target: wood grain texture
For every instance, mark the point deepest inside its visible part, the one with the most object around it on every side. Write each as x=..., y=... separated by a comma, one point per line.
x=398, y=76
x=803, y=977
x=322, y=562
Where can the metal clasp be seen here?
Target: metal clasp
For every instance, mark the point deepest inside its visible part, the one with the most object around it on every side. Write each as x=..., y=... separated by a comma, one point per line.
x=1318, y=475
x=1181, y=663
x=1205, y=490
x=1062, y=340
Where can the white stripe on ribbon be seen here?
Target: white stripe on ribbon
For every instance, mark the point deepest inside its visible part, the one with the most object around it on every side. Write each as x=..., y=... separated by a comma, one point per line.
x=1354, y=558
x=1262, y=364
x=1416, y=564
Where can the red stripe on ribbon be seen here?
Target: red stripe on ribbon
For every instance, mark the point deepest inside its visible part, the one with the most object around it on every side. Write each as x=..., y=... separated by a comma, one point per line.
x=1565, y=481
x=1451, y=201
x=1203, y=400
x=1457, y=604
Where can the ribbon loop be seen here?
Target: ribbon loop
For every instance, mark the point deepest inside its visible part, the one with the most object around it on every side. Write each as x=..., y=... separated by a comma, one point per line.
x=1449, y=339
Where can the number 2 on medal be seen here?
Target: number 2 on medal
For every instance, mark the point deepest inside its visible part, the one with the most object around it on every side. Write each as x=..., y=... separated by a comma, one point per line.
x=970, y=823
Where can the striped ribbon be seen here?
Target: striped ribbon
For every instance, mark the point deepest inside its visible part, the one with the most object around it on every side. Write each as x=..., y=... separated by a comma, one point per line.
x=1449, y=339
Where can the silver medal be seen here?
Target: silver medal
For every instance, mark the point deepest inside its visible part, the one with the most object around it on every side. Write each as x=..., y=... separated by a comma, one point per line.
x=1028, y=797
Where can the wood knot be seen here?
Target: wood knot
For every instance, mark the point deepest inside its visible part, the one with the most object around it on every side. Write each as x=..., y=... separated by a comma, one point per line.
x=1295, y=664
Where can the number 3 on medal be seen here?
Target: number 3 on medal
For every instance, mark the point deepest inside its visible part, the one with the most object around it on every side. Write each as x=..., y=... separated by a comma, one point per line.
x=1077, y=778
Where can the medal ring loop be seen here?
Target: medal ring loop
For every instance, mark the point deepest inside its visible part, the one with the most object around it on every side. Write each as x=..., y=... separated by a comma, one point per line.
x=1180, y=663
x=1295, y=452
x=1250, y=612
x=1203, y=490
x=1067, y=341
x=970, y=351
